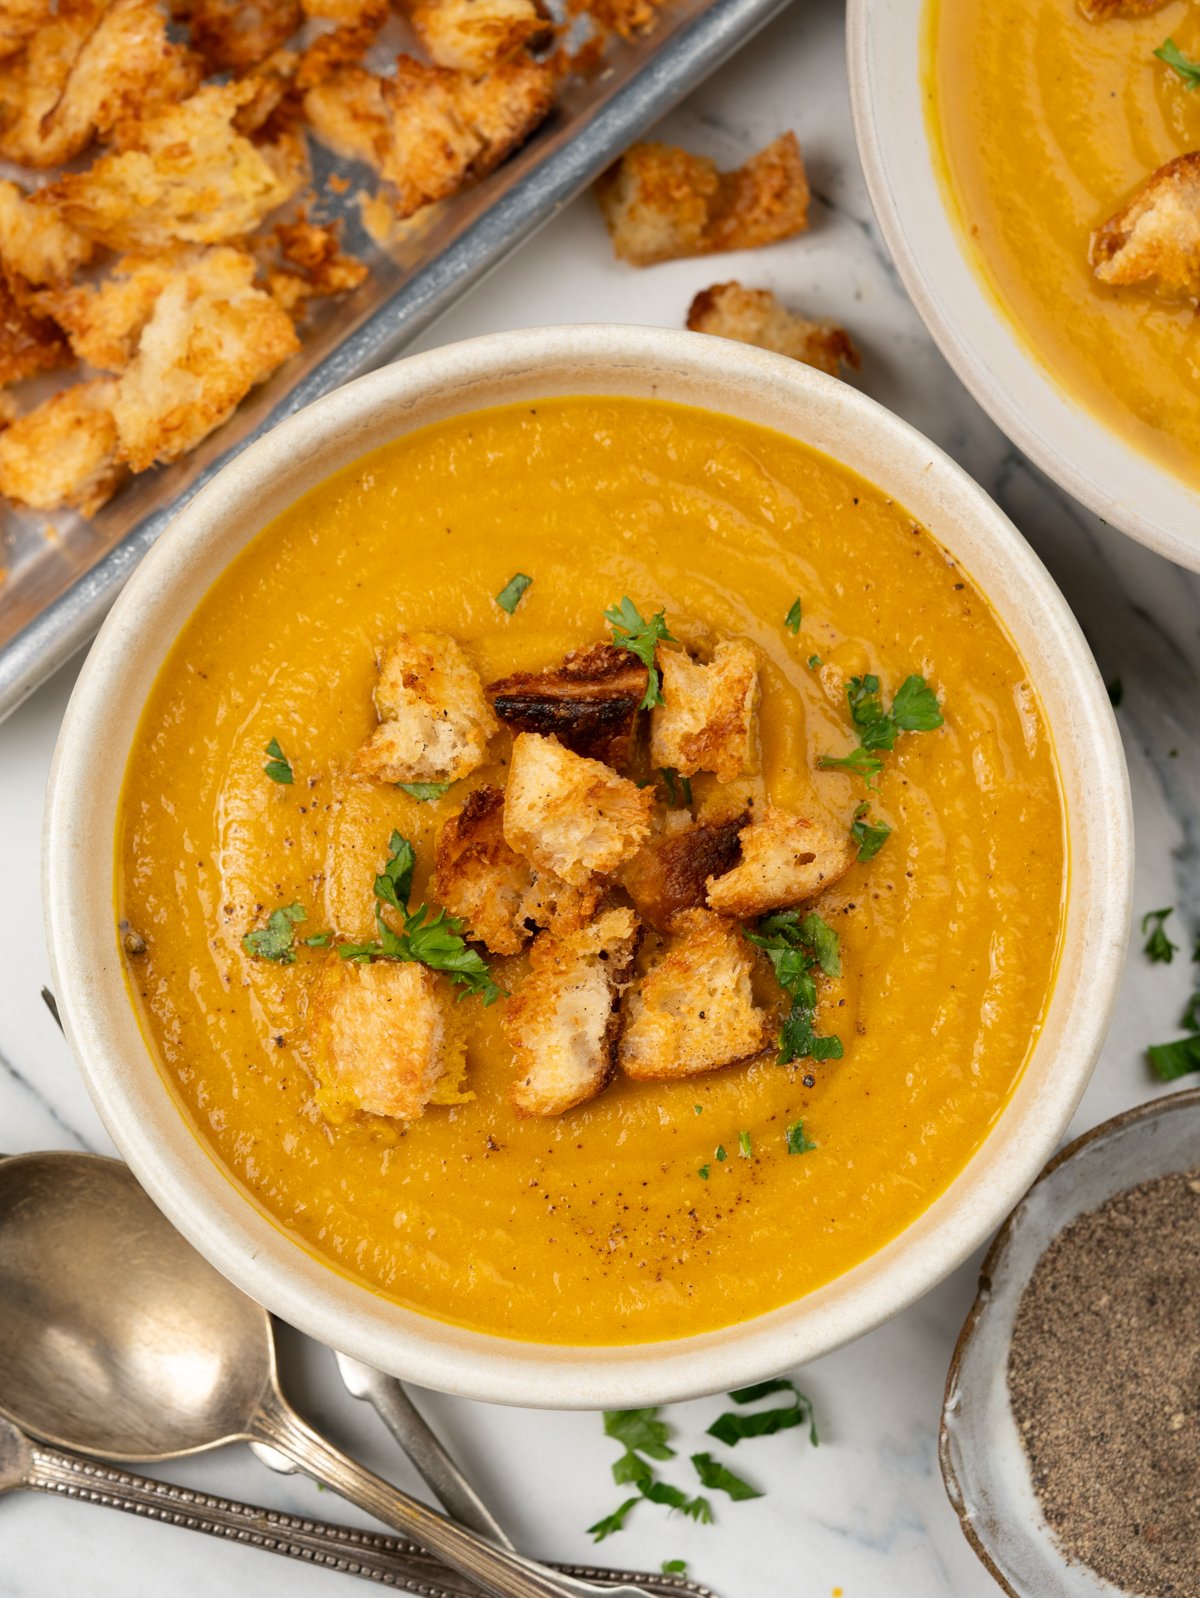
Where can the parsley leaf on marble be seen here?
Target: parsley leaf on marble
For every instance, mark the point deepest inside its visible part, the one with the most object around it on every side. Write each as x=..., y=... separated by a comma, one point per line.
x=797, y=1143
x=425, y=791
x=798, y=948
x=276, y=941
x=1158, y=947
x=1173, y=56
x=1191, y=1016
x=792, y=620
x=511, y=594
x=719, y=1478
x=640, y=1430
x=868, y=835
x=674, y=1567
x=1173, y=1060
x=631, y=631
x=614, y=1522
x=732, y=1428
x=278, y=767
x=914, y=709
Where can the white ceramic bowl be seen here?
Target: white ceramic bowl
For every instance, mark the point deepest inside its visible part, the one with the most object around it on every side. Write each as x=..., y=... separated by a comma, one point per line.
x=138, y=1107
x=1070, y=444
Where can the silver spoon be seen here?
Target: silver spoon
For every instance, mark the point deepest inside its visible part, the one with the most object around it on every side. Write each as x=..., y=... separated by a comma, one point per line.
x=118, y=1339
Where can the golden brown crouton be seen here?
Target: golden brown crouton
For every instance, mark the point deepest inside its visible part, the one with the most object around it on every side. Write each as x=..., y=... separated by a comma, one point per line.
x=479, y=878
x=347, y=113
x=589, y=701
x=570, y=815
x=660, y=203
x=694, y=1009
x=475, y=35
x=19, y=21
x=236, y=34
x=63, y=453
x=755, y=316
x=785, y=860
x=35, y=244
x=627, y=18
x=669, y=874
x=104, y=322
x=343, y=46
x=95, y=63
x=434, y=721
x=317, y=265
x=183, y=175
x=1155, y=238
x=28, y=343
x=210, y=338
x=551, y=902
x=1098, y=10
x=706, y=722
x=381, y=1036
x=562, y=1023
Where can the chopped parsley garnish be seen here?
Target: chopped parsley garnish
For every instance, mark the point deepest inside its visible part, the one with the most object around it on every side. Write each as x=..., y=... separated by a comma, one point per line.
x=868, y=835
x=614, y=1522
x=674, y=1567
x=276, y=941
x=1174, y=57
x=672, y=778
x=319, y=940
x=279, y=767
x=631, y=631
x=425, y=791
x=432, y=940
x=814, y=661
x=914, y=709
x=797, y=1143
x=719, y=1478
x=792, y=620
x=745, y=1145
x=797, y=949
x=1191, y=1016
x=640, y=1430
x=732, y=1429
x=1173, y=1060
x=697, y=1109
x=702, y=1173
x=721, y=1154
x=510, y=595
x=1158, y=946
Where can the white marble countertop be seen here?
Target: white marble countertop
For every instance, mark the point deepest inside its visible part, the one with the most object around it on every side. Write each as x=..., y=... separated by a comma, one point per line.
x=864, y=1514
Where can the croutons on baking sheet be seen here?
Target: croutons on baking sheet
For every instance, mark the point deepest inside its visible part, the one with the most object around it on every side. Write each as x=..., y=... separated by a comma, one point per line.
x=104, y=321
x=669, y=873
x=661, y=203
x=63, y=453
x=475, y=35
x=479, y=878
x=381, y=1036
x=434, y=719
x=348, y=113
x=694, y=1009
x=28, y=342
x=589, y=701
x=1155, y=238
x=236, y=34
x=570, y=815
x=313, y=265
x=19, y=21
x=35, y=245
x=785, y=860
x=563, y=1021
x=706, y=720
x=755, y=316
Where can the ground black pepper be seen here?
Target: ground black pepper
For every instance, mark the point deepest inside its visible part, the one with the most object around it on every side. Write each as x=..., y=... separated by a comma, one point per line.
x=1104, y=1377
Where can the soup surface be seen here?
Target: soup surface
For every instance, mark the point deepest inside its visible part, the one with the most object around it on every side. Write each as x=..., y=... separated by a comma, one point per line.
x=660, y=1208
x=1045, y=123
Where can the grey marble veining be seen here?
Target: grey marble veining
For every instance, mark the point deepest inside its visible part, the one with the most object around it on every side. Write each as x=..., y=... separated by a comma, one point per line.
x=865, y=1512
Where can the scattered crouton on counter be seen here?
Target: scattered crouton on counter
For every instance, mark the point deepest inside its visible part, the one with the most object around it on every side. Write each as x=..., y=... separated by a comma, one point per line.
x=570, y=815
x=785, y=860
x=589, y=702
x=661, y=203
x=382, y=1036
x=1155, y=238
x=434, y=718
x=669, y=874
x=707, y=720
x=755, y=316
x=563, y=1022
x=694, y=1009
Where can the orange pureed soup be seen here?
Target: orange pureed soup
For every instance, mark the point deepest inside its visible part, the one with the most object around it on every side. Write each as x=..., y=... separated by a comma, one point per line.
x=659, y=1208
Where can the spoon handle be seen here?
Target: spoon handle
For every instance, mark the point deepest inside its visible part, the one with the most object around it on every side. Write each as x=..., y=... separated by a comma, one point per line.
x=496, y=1570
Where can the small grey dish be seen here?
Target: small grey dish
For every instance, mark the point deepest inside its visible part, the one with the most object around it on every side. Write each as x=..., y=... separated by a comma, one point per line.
x=984, y=1464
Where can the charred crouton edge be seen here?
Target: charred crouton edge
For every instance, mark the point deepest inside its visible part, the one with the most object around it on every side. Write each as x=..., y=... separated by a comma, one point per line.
x=755, y=316
x=706, y=722
x=1155, y=238
x=670, y=873
x=435, y=722
x=563, y=1022
x=694, y=1009
x=589, y=702
x=479, y=878
x=785, y=860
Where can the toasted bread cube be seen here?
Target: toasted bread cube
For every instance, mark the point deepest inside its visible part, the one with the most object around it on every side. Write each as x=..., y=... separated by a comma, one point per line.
x=478, y=878
x=434, y=720
x=551, y=902
x=589, y=701
x=1098, y=10
x=570, y=815
x=661, y=203
x=785, y=860
x=104, y=321
x=1155, y=238
x=382, y=1036
x=35, y=244
x=19, y=21
x=347, y=112
x=755, y=316
x=28, y=342
x=563, y=1022
x=706, y=722
x=232, y=35
x=317, y=266
x=670, y=873
x=627, y=18
x=63, y=454
x=694, y=1009
x=475, y=35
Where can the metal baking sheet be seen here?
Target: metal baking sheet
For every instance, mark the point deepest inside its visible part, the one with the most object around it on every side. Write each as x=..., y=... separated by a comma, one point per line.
x=60, y=578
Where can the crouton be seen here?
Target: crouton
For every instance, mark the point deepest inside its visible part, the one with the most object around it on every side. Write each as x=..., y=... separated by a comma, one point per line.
x=475, y=35
x=321, y=268
x=19, y=21
x=381, y=1036
x=347, y=113
x=28, y=342
x=570, y=815
x=1098, y=10
x=1155, y=238
x=551, y=902
x=233, y=35
x=35, y=244
x=627, y=18
x=210, y=338
x=589, y=701
x=479, y=878
x=785, y=860
x=434, y=721
x=694, y=1009
x=92, y=65
x=63, y=454
x=669, y=874
x=563, y=1022
x=183, y=175
x=706, y=722
x=104, y=322
x=660, y=203
x=343, y=46
x=755, y=316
